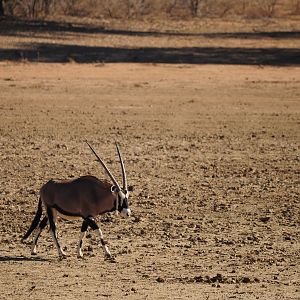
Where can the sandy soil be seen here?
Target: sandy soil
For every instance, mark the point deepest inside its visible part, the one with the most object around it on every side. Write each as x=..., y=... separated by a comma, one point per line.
x=213, y=154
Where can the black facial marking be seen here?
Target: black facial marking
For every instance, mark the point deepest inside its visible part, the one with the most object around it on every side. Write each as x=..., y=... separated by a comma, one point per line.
x=125, y=203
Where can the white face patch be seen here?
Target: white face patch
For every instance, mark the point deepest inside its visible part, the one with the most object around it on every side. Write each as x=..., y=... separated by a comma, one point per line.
x=125, y=212
x=122, y=195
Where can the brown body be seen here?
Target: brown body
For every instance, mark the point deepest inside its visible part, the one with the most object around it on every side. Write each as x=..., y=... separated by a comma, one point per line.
x=86, y=196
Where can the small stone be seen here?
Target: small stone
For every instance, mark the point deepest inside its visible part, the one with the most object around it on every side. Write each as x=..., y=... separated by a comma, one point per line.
x=246, y=280
x=265, y=219
x=198, y=279
x=160, y=280
x=136, y=219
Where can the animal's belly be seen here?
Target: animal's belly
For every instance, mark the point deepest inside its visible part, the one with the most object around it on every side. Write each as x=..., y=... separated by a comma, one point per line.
x=67, y=217
x=65, y=214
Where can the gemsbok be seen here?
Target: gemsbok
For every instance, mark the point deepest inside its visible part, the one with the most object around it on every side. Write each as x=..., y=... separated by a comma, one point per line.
x=83, y=198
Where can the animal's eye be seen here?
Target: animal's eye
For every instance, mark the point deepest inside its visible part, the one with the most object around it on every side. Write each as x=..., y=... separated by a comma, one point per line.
x=114, y=189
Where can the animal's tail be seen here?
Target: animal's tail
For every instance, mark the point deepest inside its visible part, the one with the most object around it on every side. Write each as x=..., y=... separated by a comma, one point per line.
x=35, y=221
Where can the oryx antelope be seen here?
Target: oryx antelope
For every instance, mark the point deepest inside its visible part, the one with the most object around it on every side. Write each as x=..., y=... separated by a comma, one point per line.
x=83, y=198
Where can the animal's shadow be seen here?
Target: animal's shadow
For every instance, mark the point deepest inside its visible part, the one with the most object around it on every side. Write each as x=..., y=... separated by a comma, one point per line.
x=16, y=258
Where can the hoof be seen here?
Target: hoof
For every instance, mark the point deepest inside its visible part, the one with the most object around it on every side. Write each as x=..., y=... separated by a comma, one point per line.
x=25, y=241
x=79, y=253
x=62, y=255
x=33, y=250
x=110, y=258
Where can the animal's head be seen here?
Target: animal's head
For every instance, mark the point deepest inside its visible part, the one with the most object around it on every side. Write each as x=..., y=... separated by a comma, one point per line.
x=122, y=200
x=121, y=193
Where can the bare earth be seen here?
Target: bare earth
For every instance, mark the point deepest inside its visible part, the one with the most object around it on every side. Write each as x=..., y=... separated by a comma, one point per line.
x=212, y=151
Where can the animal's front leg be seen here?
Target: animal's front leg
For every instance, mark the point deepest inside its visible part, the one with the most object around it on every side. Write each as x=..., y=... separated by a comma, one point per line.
x=94, y=226
x=82, y=235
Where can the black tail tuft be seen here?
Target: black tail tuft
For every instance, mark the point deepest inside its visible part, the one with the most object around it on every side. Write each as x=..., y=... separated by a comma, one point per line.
x=35, y=221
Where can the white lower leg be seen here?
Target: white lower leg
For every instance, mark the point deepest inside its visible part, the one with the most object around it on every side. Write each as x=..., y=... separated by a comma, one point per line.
x=61, y=253
x=105, y=248
x=79, y=247
x=33, y=247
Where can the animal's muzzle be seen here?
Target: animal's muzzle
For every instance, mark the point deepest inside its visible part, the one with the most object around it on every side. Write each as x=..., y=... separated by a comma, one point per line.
x=126, y=212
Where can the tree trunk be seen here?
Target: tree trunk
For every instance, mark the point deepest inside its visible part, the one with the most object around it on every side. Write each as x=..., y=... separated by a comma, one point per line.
x=1, y=8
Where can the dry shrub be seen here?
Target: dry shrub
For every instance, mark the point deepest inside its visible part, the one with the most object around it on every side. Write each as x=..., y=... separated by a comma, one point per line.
x=261, y=8
x=217, y=8
x=28, y=8
x=295, y=7
x=126, y=9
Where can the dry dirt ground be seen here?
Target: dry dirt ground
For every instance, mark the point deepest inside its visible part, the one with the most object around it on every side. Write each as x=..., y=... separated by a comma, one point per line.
x=213, y=154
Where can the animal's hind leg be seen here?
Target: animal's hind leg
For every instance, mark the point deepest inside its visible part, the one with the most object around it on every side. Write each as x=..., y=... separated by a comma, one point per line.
x=82, y=235
x=91, y=222
x=42, y=225
x=52, y=219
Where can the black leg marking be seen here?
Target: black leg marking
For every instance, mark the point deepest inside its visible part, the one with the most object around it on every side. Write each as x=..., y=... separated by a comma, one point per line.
x=42, y=225
x=84, y=226
x=103, y=243
x=91, y=222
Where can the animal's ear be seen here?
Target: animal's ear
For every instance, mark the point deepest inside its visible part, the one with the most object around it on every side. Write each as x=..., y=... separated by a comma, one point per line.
x=114, y=189
x=130, y=188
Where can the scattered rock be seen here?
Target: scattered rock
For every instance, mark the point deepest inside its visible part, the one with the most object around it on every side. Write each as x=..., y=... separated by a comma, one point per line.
x=136, y=219
x=265, y=219
x=198, y=279
x=160, y=280
x=246, y=280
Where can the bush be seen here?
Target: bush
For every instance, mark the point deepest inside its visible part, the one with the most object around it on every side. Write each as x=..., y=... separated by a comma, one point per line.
x=154, y=8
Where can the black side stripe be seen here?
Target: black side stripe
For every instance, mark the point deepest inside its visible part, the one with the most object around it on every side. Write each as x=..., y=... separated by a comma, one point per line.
x=63, y=212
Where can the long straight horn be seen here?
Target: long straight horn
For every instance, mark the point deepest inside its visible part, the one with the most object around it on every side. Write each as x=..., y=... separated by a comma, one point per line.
x=105, y=167
x=123, y=168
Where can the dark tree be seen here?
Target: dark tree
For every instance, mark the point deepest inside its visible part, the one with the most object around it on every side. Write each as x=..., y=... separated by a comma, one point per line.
x=1, y=8
x=194, y=4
